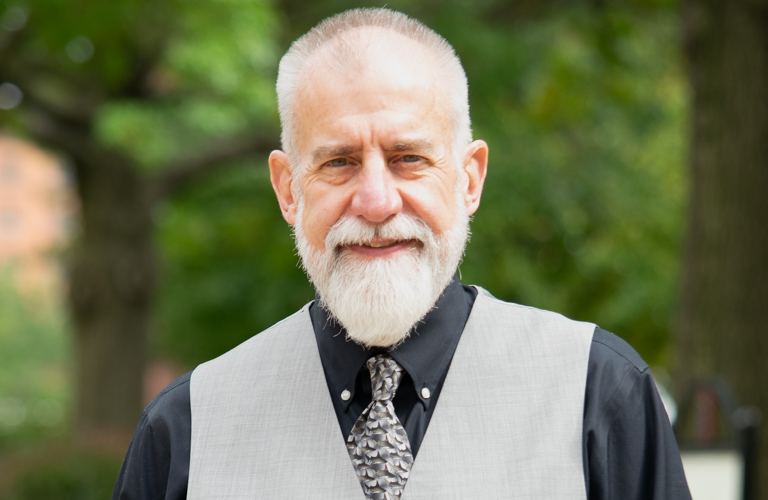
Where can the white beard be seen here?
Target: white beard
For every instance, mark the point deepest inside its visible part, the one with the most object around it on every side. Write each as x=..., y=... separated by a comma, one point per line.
x=379, y=301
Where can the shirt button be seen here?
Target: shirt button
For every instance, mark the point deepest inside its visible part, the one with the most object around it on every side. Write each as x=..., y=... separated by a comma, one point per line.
x=425, y=393
x=345, y=395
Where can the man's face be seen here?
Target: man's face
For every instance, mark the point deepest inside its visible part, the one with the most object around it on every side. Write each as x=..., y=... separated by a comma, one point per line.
x=375, y=169
x=372, y=146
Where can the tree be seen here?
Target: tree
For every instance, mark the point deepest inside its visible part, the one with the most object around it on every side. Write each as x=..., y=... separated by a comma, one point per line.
x=141, y=98
x=584, y=110
x=723, y=313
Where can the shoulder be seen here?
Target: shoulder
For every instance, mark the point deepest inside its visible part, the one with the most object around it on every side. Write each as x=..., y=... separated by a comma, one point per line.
x=628, y=445
x=609, y=350
x=619, y=383
x=555, y=344
x=617, y=378
x=499, y=313
x=170, y=403
x=278, y=336
x=157, y=460
x=166, y=420
x=615, y=368
x=260, y=358
x=549, y=345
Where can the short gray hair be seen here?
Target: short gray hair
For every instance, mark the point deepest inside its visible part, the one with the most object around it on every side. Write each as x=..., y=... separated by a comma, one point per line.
x=293, y=64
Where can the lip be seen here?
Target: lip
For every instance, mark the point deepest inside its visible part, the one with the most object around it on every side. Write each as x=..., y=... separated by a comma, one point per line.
x=383, y=251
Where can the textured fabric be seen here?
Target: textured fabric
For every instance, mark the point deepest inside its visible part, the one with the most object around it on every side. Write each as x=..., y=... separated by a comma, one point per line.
x=252, y=435
x=623, y=417
x=518, y=372
x=378, y=445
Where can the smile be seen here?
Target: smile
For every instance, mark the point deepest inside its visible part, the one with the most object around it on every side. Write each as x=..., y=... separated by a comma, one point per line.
x=382, y=248
x=381, y=245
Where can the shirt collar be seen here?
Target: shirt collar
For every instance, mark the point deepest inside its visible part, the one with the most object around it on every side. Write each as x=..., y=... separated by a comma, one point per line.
x=425, y=354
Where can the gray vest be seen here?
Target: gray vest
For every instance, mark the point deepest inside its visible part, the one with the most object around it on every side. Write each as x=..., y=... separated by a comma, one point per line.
x=507, y=425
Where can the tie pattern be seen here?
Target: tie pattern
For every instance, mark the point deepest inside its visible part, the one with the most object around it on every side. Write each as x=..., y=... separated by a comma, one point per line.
x=378, y=444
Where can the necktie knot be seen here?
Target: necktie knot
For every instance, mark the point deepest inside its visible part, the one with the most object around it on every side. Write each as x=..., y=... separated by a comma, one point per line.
x=385, y=377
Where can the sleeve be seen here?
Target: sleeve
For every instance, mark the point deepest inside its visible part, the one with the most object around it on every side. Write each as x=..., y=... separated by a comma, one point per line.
x=156, y=465
x=629, y=449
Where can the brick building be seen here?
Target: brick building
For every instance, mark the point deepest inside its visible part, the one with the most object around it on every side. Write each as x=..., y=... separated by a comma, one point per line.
x=37, y=205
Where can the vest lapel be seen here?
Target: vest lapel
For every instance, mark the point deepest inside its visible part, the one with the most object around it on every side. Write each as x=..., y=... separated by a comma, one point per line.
x=263, y=425
x=509, y=418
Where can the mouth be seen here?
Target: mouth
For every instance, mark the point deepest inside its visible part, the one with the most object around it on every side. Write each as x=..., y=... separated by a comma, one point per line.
x=382, y=244
x=381, y=247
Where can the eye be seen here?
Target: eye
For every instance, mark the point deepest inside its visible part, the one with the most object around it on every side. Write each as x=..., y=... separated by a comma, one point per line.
x=338, y=162
x=410, y=158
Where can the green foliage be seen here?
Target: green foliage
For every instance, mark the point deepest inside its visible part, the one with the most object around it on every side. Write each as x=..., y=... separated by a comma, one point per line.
x=583, y=110
x=582, y=209
x=214, y=79
x=34, y=378
x=71, y=475
x=229, y=265
x=164, y=79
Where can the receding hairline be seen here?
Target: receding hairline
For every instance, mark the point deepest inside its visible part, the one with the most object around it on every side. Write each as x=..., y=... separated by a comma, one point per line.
x=347, y=39
x=396, y=52
x=370, y=41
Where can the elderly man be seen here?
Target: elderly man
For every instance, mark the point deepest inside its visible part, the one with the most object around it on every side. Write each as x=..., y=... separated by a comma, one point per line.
x=439, y=389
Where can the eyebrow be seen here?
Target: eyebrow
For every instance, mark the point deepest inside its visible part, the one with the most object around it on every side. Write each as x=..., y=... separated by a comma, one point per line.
x=417, y=145
x=324, y=152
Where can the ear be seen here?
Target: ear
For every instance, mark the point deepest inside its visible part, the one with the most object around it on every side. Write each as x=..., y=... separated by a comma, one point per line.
x=475, y=167
x=282, y=182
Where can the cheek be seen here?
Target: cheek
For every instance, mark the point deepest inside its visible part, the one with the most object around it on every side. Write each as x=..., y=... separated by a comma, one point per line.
x=436, y=204
x=447, y=213
x=437, y=209
x=320, y=213
x=315, y=229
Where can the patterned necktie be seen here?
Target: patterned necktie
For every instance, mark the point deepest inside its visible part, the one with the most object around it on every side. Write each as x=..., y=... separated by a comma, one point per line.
x=378, y=444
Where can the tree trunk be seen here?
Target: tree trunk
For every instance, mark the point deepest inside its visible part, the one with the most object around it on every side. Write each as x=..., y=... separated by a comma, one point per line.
x=722, y=324
x=111, y=287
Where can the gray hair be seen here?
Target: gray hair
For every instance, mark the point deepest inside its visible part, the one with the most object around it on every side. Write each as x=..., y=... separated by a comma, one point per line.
x=294, y=64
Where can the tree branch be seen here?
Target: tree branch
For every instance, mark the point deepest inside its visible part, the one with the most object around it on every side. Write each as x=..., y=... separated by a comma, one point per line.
x=45, y=127
x=183, y=173
x=29, y=75
x=138, y=84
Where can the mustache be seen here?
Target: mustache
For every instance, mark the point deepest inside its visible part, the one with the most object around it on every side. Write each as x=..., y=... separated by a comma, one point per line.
x=351, y=230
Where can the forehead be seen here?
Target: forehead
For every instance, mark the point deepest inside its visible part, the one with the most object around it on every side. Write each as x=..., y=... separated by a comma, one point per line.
x=389, y=86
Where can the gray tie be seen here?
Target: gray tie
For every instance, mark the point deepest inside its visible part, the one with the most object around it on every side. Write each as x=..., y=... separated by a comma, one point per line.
x=378, y=444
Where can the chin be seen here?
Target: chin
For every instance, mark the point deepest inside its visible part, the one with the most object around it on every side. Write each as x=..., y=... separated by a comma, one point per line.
x=379, y=300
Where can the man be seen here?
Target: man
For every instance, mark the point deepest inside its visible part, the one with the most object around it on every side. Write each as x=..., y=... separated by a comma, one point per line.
x=439, y=390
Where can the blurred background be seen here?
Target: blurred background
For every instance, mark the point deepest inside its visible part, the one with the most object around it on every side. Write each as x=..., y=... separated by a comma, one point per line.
x=139, y=235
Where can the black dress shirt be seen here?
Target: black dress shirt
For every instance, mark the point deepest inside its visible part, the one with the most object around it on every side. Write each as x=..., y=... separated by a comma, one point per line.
x=425, y=356
x=629, y=451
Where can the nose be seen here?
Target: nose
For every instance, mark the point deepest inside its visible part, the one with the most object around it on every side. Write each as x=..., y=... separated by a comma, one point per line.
x=376, y=197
